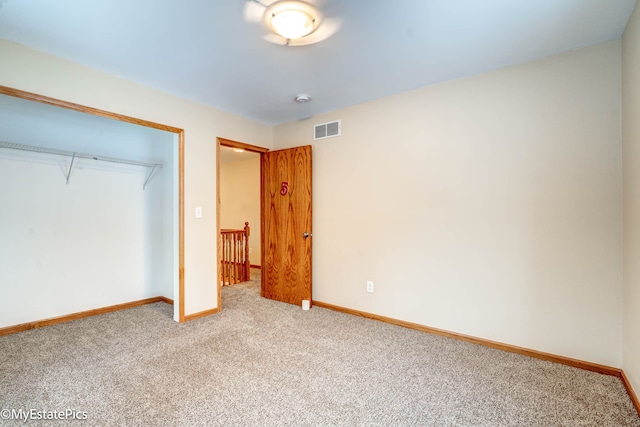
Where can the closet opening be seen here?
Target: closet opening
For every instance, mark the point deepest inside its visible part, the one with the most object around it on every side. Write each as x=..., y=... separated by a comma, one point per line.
x=92, y=211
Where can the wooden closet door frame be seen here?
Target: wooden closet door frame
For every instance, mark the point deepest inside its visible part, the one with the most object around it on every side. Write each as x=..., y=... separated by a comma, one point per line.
x=4, y=90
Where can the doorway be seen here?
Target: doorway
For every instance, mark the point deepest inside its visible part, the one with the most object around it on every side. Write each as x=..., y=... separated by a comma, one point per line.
x=285, y=223
x=238, y=203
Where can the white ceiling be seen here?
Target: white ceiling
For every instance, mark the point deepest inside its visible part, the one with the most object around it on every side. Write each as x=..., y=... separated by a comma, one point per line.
x=203, y=50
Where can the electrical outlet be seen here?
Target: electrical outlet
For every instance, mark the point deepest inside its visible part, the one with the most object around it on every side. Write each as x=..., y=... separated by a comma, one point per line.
x=250, y=251
x=369, y=286
x=198, y=212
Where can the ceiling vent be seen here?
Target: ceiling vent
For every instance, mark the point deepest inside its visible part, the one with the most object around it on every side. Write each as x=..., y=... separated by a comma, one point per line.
x=326, y=130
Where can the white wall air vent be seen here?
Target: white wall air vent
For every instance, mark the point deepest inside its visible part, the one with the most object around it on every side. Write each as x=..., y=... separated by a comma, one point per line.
x=327, y=130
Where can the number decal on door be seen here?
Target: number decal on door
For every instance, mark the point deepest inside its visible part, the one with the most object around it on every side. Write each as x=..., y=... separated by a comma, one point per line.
x=284, y=189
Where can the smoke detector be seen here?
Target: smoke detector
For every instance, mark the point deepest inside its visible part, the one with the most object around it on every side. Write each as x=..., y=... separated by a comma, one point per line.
x=302, y=98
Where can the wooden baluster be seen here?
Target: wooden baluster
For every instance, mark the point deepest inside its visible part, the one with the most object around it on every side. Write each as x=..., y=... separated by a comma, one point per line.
x=234, y=252
x=225, y=256
x=229, y=248
x=240, y=256
x=230, y=258
x=235, y=258
x=222, y=258
x=228, y=255
x=247, y=261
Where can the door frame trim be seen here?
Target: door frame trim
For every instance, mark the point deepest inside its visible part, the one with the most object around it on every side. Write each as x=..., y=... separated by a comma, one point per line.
x=30, y=96
x=224, y=142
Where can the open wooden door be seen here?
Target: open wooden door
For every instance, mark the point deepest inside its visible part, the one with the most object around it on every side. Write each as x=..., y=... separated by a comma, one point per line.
x=286, y=229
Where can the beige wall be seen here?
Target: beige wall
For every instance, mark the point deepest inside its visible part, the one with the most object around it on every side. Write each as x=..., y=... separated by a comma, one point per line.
x=489, y=206
x=29, y=70
x=240, y=200
x=631, y=180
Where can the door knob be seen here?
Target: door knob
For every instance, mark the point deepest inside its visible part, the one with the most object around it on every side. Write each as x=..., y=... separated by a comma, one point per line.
x=306, y=234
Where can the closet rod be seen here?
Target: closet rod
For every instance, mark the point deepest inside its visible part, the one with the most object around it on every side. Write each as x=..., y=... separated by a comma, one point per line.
x=75, y=155
x=35, y=149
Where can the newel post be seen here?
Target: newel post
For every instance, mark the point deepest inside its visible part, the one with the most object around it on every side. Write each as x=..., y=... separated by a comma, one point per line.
x=247, y=262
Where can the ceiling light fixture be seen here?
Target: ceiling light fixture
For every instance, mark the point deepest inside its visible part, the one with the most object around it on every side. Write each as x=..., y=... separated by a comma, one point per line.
x=302, y=98
x=238, y=150
x=291, y=22
x=291, y=19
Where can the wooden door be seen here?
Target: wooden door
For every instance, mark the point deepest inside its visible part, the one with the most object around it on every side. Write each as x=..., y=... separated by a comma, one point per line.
x=286, y=219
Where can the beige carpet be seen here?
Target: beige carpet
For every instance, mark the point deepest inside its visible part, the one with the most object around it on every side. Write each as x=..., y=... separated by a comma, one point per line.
x=265, y=363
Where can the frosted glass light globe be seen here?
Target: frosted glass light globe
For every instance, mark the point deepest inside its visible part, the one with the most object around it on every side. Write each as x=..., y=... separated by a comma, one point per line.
x=292, y=23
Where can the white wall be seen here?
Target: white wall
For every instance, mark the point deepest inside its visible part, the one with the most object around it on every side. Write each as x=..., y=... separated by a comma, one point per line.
x=240, y=200
x=70, y=248
x=488, y=206
x=94, y=242
x=161, y=189
x=26, y=69
x=631, y=180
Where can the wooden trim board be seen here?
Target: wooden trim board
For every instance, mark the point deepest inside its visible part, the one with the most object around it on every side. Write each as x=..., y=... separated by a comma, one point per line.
x=256, y=266
x=580, y=364
x=166, y=300
x=602, y=369
x=80, y=315
x=201, y=314
x=631, y=392
x=218, y=236
x=181, y=291
x=84, y=109
x=237, y=144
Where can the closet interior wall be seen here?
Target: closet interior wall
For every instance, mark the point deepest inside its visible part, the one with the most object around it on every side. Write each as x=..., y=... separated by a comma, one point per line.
x=96, y=241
